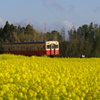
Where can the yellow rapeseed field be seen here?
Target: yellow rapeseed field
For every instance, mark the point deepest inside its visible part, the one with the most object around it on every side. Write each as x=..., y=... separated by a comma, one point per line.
x=44, y=78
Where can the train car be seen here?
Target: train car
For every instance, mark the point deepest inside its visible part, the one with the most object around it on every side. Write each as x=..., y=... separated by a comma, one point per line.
x=50, y=48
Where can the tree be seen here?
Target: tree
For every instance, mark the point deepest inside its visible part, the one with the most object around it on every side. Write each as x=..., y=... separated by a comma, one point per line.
x=97, y=43
x=83, y=40
x=48, y=36
x=6, y=31
x=56, y=36
x=1, y=31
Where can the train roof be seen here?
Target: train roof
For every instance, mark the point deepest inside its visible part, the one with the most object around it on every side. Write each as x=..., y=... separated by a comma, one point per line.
x=36, y=42
x=24, y=43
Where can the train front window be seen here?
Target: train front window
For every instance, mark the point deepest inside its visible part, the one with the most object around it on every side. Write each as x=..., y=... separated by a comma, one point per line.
x=48, y=46
x=52, y=46
x=56, y=46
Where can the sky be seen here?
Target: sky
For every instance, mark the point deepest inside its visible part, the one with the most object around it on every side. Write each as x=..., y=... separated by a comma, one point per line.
x=48, y=15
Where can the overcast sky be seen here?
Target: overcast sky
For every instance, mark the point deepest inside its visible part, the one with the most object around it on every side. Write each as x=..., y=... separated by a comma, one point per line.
x=50, y=14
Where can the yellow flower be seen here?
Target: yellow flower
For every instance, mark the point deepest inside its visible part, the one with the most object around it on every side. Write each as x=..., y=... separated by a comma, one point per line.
x=50, y=79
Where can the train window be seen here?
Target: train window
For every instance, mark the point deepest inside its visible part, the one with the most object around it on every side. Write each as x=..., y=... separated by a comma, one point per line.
x=48, y=46
x=39, y=47
x=52, y=46
x=26, y=48
x=9, y=48
x=56, y=46
x=36, y=47
x=6, y=48
x=29, y=47
x=32, y=47
x=18, y=48
x=23, y=47
x=12, y=47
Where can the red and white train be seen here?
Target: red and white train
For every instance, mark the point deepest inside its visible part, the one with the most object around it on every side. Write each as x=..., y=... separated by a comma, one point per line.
x=50, y=48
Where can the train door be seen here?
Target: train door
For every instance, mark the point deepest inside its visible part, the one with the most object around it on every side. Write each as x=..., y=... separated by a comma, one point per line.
x=52, y=49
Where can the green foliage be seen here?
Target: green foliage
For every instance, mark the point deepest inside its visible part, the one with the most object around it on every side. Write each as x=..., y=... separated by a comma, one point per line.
x=11, y=33
x=85, y=40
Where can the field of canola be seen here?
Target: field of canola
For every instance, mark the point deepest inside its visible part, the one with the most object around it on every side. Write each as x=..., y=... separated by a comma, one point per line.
x=44, y=78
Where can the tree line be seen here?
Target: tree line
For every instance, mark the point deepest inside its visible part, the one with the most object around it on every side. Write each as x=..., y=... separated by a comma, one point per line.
x=84, y=40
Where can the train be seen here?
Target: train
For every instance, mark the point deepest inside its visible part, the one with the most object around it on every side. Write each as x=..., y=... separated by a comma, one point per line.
x=49, y=48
